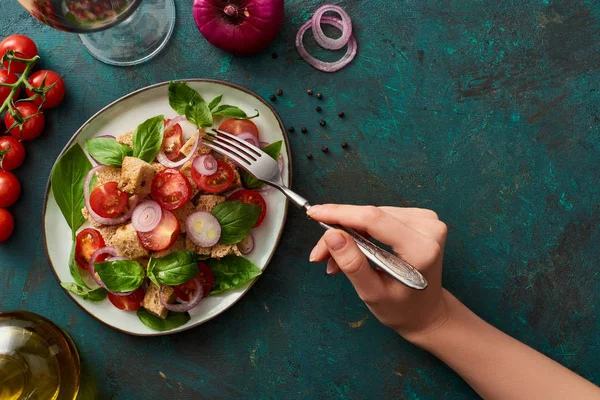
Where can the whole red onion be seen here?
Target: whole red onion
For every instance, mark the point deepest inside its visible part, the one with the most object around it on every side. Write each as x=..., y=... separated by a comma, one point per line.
x=241, y=27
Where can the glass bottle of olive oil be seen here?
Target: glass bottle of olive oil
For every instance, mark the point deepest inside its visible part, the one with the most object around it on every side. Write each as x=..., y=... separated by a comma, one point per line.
x=38, y=360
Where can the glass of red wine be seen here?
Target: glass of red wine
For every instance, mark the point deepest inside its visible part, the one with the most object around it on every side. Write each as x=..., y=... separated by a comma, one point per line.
x=116, y=32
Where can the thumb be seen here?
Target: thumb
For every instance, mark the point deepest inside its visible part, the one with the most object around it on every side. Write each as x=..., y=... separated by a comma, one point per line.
x=353, y=263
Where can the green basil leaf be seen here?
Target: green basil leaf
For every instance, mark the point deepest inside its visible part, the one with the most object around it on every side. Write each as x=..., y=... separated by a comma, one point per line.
x=197, y=113
x=232, y=112
x=174, y=268
x=237, y=220
x=74, y=269
x=180, y=95
x=148, y=137
x=121, y=275
x=173, y=320
x=108, y=151
x=251, y=182
x=97, y=294
x=150, y=271
x=215, y=102
x=231, y=272
x=67, y=181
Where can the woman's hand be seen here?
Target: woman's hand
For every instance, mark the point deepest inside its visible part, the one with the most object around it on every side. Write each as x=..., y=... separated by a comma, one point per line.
x=416, y=235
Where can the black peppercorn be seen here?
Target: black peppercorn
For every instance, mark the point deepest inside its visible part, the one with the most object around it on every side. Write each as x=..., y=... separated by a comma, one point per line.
x=341, y=114
x=279, y=92
x=304, y=130
x=324, y=149
x=291, y=129
x=344, y=145
x=322, y=122
x=273, y=98
x=310, y=92
x=318, y=108
x=309, y=156
x=319, y=96
x=274, y=55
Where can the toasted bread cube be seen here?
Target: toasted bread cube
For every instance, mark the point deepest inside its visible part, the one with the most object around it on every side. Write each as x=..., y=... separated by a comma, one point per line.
x=158, y=167
x=107, y=174
x=208, y=202
x=136, y=176
x=126, y=138
x=179, y=245
x=108, y=232
x=186, y=170
x=189, y=146
x=221, y=250
x=88, y=217
x=152, y=302
x=127, y=242
x=182, y=213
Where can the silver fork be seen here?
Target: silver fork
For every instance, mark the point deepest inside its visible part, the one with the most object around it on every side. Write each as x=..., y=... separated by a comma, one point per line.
x=264, y=168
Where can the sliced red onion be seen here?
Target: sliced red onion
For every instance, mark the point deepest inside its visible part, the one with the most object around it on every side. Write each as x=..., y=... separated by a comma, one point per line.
x=184, y=306
x=320, y=37
x=105, y=221
x=248, y=137
x=264, y=144
x=203, y=229
x=246, y=245
x=146, y=216
x=164, y=160
x=322, y=65
x=174, y=121
x=205, y=165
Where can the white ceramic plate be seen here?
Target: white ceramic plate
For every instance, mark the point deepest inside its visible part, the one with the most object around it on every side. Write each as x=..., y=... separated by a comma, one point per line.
x=124, y=115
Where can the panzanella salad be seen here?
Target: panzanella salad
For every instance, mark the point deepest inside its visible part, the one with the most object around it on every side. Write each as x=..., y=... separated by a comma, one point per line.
x=168, y=221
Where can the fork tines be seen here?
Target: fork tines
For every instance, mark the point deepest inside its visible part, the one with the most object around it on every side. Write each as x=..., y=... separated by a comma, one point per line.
x=238, y=150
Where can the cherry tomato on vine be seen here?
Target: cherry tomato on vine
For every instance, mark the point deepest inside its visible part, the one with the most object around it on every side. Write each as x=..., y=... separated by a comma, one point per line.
x=32, y=128
x=10, y=189
x=23, y=48
x=7, y=77
x=7, y=225
x=55, y=95
x=12, y=153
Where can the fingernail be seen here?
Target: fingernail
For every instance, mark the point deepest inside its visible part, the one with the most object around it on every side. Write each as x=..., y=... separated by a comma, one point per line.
x=313, y=253
x=329, y=269
x=335, y=240
x=314, y=209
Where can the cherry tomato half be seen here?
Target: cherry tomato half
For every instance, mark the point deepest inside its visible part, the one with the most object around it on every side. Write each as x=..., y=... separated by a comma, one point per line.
x=10, y=189
x=164, y=235
x=7, y=225
x=23, y=47
x=32, y=128
x=87, y=242
x=12, y=153
x=171, y=189
x=55, y=95
x=254, y=198
x=206, y=278
x=131, y=302
x=217, y=182
x=173, y=142
x=107, y=201
x=237, y=126
x=7, y=77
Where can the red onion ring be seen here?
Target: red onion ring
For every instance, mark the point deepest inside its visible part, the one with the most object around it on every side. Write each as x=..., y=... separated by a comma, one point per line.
x=248, y=137
x=322, y=65
x=184, y=306
x=246, y=245
x=105, y=250
x=146, y=216
x=206, y=165
x=164, y=160
x=105, y=221
x=174, y=121
x=325, y=41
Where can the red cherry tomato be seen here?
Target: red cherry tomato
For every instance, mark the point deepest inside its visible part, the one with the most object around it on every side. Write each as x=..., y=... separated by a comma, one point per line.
x=206, y=278
x=10, y=189
x=171, y=189
x=32, y=128
x=23, y=47
x=7, y=77
x=87, y=242
x=7, y=225
x=131, y=302
x=254, y=198
x=55, y=95
x=217, y=182
x=164, y=235
x=173, y=142
x=12, y=153
x=237, y=126
x=107, y=201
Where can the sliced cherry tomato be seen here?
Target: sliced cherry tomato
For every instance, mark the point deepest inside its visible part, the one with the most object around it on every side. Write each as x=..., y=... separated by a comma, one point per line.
x=23, y=47
x=217, y=182
x=55, y=95
x=7, y=225
x=107, y=201
x=237, y=126
x=32, y=128
x=171, y=189
x=173, y=142
x=131, y=302
x=164, y=235
x=205, y=276
x=254, y=198
x=10, y=189
x=87, y=242
x=7, y=77
x=12, y=153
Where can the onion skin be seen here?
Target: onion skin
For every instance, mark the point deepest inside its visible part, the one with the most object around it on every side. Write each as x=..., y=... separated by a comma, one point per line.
x=240, y=27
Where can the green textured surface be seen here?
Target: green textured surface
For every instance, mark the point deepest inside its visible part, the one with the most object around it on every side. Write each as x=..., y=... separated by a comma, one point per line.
x=486, y=112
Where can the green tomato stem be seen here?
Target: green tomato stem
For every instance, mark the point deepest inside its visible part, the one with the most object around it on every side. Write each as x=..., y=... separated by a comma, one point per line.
x=22, y=80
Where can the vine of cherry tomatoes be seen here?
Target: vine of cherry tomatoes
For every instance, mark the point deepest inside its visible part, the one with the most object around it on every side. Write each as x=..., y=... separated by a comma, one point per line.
x=24, y=117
